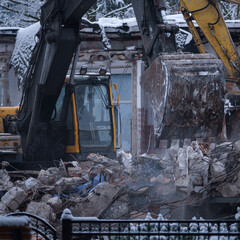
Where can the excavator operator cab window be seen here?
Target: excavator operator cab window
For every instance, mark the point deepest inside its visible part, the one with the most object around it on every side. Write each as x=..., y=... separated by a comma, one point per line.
x=59, y=114
x=93, y=113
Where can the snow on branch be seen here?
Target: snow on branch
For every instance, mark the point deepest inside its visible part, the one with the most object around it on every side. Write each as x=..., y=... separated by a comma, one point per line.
x=118, y=10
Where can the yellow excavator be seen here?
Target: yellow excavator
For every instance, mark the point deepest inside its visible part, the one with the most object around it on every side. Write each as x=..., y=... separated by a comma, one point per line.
x=60, y=116
x=187, y=91
x=210, y=20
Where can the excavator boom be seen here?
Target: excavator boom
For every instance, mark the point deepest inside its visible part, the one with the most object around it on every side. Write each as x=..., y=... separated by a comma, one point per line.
x=186, y=90
x=58, y=41
x=210, y=20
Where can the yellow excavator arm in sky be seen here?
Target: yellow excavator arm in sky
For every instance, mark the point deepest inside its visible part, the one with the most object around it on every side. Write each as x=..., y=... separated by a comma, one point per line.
x=210, y=20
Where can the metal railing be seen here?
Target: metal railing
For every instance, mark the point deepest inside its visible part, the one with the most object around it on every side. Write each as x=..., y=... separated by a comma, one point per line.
x=41, y=229
x=93, y=228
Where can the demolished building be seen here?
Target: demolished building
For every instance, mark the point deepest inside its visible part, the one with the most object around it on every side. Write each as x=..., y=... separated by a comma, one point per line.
x=177, y=176
x=200, y=180
x=124, y=60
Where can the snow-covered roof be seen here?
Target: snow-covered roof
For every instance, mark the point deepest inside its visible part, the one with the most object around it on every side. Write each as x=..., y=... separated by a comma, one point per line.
x=25, y=40
x=115, y=22
x=9, y=30
x=132, y=23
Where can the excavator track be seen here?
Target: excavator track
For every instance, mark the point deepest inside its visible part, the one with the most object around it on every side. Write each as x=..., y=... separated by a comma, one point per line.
x=187, y=96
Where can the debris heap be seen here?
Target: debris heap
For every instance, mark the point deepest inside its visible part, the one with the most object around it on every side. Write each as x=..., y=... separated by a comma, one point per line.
x=127, y=187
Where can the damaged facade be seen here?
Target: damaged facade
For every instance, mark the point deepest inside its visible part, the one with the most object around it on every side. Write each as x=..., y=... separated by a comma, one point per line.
x=124, y=61
x=10, y=94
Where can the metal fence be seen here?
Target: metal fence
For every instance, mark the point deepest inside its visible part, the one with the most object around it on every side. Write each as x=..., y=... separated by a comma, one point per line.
x=87, y=228
x=41, y=229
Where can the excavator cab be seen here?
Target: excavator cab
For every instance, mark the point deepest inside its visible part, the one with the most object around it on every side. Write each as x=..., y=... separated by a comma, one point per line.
x=91, y=116
x=86, y=120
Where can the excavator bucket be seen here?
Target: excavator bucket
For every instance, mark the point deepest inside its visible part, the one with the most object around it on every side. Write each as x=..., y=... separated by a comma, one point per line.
x=187, y=96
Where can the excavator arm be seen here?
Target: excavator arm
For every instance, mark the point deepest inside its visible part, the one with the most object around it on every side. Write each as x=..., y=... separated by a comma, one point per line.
x=210, y=20
x=58, y=40
x=167, y=74
x=185, y=90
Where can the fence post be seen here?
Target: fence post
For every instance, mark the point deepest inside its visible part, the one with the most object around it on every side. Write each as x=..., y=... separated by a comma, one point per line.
x=66, y=225
x=66, y=229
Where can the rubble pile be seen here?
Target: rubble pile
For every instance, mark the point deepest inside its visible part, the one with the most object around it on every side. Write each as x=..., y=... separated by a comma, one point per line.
x=204, y=167
x=126, y=187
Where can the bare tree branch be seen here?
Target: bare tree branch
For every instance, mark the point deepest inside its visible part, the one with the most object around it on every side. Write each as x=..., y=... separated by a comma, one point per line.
x=118, y=10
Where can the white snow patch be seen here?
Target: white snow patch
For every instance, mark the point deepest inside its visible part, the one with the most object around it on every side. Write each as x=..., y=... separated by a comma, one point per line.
x=131, y=48
x=116, y=22
x=176, y=19
x=67, y=214
x=126, y=160
x=105, y=39
x=237, y=215
x=13, y=221
x=25, y=43
x=227, y=107
x=203, y=73
x=31, y=183
x=9, y=28
x=189, y=36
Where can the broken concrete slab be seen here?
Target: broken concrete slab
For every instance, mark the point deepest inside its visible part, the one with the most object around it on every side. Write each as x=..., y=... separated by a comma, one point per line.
x=74, y=171
x=49, y=176
x=62, y=171
x=46, y=197
x=126, y=160
x=218, y=171
x=237, y=145
x=55, y=203
x=68, y=184
x=115, y=174
x=99, y=159
x=31, y=184
x=95, y=170
x=228, y=190
x=119, y=208
x=86, y=165
x=96, y=200
x=14, y=198
x=182, y=178
x=223, y=147
x=104, y=189
x=5, y=183
x=191, y=168
x=42, y=210
x=3, y=208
